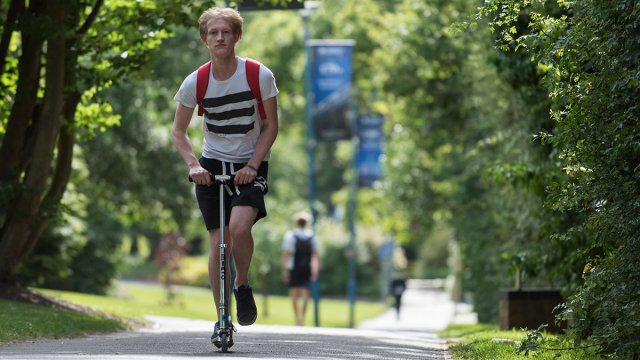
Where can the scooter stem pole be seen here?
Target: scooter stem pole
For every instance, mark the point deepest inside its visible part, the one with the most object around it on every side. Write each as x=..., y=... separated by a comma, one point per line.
x=223, y=260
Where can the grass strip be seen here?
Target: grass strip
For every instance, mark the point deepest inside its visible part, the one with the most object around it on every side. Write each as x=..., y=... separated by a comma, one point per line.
x=486, y=341
x=20, y=322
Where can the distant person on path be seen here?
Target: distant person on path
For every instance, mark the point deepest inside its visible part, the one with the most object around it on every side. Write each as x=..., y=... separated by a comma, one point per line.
x=398, y=286
x=237, y=140
x=399, y=283
x=300, y=264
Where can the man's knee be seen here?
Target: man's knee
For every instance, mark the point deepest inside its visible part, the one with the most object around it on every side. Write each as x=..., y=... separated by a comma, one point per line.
x=239, y=232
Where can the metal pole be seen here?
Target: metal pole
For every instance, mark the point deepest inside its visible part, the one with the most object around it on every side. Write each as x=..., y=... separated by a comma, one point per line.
x=223, y=261
x=351, y=282
x=311, y=143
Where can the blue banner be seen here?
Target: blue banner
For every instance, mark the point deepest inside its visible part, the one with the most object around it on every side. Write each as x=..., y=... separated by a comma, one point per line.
x=331, y=86
x=370, y=148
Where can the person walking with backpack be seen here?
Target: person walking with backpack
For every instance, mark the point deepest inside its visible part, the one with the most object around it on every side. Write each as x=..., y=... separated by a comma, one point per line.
x=237, y=97
x=300, y=264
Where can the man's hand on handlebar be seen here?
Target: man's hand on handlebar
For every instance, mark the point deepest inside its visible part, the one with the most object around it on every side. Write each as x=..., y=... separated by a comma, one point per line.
x=245, y=175
x=200, y=176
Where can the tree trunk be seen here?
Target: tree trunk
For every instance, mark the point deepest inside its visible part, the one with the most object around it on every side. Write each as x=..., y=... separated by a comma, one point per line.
x=66, y=141
x=50, y=208
x=11, y=152
x=15, y=242
x=15, y=8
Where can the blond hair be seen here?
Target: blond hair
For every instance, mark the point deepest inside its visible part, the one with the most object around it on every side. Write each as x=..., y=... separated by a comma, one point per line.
x=230, y=15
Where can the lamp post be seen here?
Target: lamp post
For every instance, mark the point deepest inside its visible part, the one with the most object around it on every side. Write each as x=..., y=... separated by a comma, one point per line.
x=309, y=6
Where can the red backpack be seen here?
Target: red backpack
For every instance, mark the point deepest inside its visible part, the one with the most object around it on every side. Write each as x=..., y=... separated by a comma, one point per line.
x=252, y=70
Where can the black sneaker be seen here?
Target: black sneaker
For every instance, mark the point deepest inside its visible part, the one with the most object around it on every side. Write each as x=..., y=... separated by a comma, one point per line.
x=247, y=311
x=216, y=339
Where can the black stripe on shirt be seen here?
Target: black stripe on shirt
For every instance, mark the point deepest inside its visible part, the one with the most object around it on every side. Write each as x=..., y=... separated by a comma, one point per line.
x=227, y=115
x=230, y=129
x=228, y=99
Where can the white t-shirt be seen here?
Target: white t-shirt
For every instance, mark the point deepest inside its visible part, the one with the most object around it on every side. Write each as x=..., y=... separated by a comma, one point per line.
x=232, y=122
x=289, y=243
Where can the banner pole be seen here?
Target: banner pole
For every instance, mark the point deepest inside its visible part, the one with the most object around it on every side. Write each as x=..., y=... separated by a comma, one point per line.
x=311, y=144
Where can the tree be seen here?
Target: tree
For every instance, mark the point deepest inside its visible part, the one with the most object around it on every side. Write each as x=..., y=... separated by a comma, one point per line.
x=33, y=128
x=458, y=138
x=590, y=54
x=80, y=48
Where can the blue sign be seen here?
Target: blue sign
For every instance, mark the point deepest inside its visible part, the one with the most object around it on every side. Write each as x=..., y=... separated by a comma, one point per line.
x=331, y=77
x=371, y=140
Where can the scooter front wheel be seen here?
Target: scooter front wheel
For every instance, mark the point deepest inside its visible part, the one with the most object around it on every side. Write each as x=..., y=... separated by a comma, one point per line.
x=224, y=341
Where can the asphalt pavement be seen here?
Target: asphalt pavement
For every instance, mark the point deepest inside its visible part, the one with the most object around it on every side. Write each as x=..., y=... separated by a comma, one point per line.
x=409, y=336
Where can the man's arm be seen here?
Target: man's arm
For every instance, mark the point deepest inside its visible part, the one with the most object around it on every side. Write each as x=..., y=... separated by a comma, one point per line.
x=182, y=143
x=315, y=265
x=268, y=134
x=284, y=262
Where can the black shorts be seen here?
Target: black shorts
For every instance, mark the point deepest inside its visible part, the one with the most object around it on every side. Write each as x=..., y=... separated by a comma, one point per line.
x=299, y=277
x=242, y=195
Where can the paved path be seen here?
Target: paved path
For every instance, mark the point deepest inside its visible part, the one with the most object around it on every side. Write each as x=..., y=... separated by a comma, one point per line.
x=410, y=337
x=425, y=310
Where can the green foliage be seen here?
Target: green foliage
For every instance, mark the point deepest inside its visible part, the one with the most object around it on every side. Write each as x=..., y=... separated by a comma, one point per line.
x=444, y=131
x=448, y=137
x=94, y=116
x=605, y=308
x=193, y=271
x=592, y=78
x=532, y=341
x=52, y=257
x=79, y=254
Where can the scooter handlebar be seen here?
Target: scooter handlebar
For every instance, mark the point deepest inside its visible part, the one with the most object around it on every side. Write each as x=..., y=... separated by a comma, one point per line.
x=219, y=178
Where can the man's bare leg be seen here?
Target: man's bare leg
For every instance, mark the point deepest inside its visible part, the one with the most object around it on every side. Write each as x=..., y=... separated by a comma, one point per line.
x=242, y=219
x=240, y=224
x=294, y=293
x=305, y=302
x=300, y=300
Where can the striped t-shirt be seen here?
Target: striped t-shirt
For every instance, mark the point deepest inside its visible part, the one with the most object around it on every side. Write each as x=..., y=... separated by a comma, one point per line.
x=231, y=120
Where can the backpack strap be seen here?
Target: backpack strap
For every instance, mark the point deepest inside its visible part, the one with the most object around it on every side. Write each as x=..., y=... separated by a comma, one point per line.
x=301, y=237
x=252, y=69
x=202, y=82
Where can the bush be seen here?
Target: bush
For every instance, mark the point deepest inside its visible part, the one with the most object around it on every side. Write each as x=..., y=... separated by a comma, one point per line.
x=194, y=271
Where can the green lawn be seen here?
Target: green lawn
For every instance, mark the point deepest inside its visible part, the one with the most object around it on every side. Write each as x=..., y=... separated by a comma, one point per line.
x=486, y=341
x=128, y=300
x=134, y=300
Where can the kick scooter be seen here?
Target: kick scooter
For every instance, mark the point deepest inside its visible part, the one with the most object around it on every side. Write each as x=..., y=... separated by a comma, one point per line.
x=225, y=327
